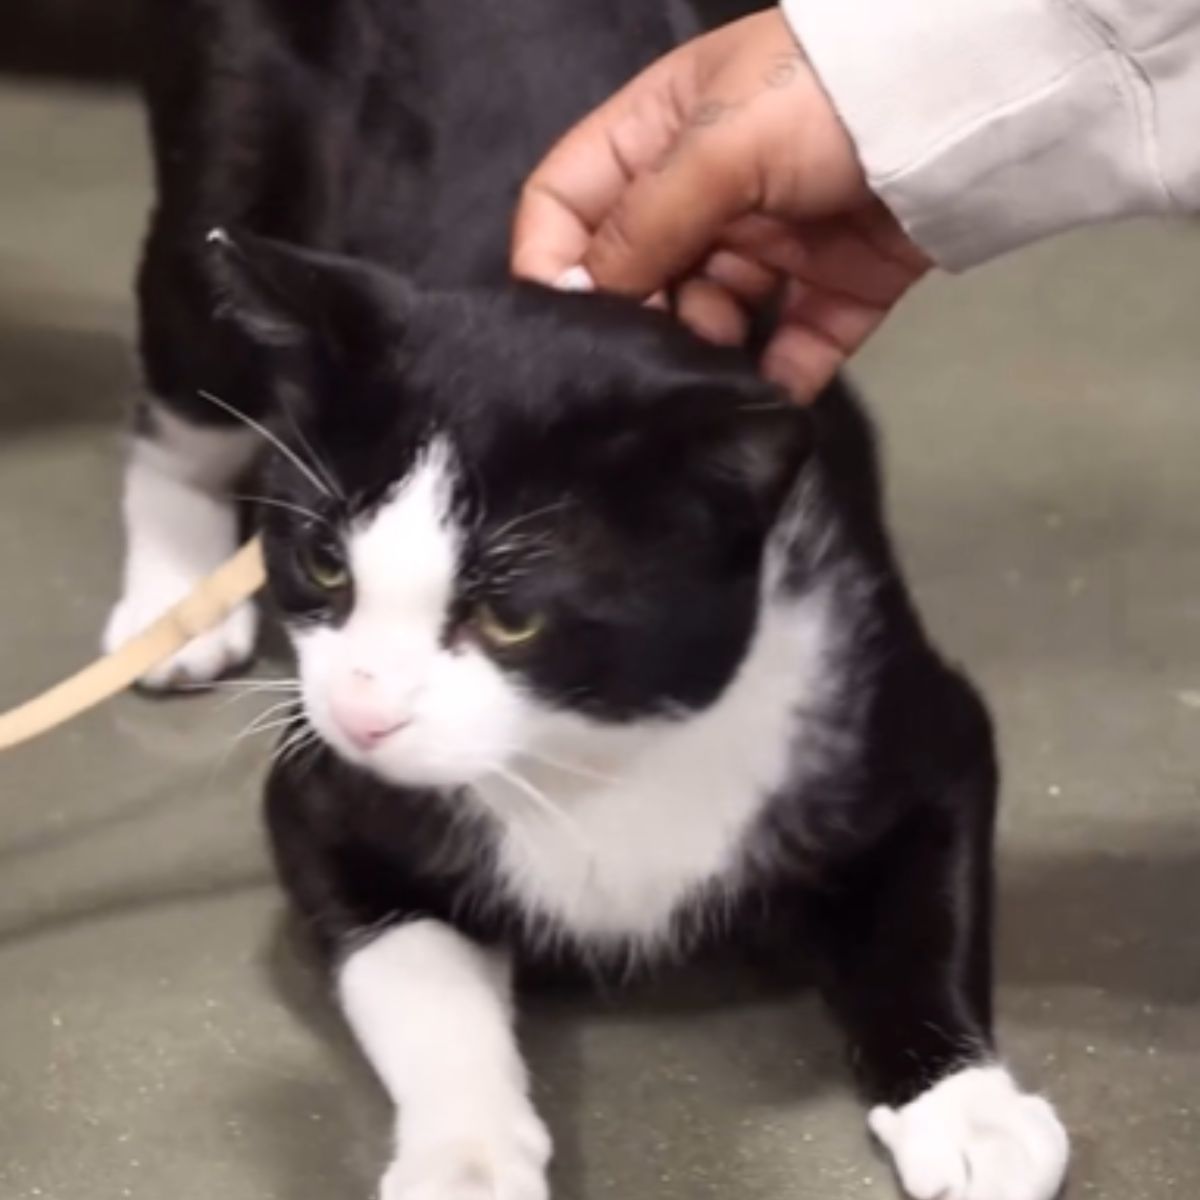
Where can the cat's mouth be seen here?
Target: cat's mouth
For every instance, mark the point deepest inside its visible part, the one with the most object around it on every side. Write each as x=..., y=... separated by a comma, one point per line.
x=407, y=751
x=368, y=733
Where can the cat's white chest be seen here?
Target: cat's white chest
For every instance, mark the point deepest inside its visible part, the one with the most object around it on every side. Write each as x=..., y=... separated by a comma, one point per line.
x=615, y=860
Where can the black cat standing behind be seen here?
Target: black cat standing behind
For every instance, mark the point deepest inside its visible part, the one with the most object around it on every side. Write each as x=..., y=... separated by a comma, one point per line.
x=603, y=653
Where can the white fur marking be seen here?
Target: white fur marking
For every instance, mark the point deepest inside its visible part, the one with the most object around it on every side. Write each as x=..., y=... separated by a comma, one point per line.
x=975, y=1136
x=433, y=1014
x=180, y=525
x=681, y=797
x=404, y=557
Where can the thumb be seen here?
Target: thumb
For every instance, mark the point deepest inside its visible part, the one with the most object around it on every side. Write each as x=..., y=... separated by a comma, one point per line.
x=669, y=216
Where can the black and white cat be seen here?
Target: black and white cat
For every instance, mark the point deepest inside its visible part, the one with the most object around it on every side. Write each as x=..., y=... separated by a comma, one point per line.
x=603, y=653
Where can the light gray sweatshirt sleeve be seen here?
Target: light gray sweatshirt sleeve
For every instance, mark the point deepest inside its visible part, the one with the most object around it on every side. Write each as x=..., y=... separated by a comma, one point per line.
x=985, y=125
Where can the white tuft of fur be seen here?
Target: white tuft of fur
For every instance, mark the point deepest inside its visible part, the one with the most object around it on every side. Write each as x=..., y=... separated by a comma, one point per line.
x=433, y=1014
x=405, y=554
x=975, y=1136
x=180, y=525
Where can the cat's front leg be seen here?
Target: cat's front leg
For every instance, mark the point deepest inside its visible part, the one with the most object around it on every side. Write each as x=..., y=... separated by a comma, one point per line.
x=907, y=935
x=432, y=1011
x=181, y=524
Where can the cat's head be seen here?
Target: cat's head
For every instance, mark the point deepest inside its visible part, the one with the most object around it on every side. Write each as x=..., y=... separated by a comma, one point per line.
x=513, y=516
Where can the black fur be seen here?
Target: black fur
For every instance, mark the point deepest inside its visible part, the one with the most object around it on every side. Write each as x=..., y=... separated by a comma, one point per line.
x=397, y=133
x=394, y=130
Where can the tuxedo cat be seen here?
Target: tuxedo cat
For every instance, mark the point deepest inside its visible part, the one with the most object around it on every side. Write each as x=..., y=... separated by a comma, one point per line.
x=604, y=657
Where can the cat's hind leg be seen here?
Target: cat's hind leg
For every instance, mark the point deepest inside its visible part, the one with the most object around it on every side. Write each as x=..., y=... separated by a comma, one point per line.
x=181, y=522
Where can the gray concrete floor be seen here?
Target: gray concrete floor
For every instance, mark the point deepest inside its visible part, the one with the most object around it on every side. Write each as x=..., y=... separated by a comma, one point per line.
x=158, y=1035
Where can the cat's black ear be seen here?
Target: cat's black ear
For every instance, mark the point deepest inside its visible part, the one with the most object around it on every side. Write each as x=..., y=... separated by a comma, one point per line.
x=281, y=296
x=764, y=445
x=737, y=429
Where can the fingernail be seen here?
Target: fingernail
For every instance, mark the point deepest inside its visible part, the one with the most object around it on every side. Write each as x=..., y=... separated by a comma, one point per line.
x=576, y=279
x=792, y=376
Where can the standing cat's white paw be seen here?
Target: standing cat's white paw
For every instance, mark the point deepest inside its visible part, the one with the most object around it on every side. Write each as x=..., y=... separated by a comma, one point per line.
x=180, y=525
x=975, y=1136
x=230, y=644
x=501, y=1160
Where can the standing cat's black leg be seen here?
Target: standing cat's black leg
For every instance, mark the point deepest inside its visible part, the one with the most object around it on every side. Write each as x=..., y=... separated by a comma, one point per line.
x=185, y=458
x=905, y=932
x=226, y=148
x=431, y=1008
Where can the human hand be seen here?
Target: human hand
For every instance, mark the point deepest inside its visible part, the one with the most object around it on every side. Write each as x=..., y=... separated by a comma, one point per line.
x=724, y=173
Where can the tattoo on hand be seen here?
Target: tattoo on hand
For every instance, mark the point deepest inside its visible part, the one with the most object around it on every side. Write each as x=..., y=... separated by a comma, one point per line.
x=785, y=69
x=709, y=113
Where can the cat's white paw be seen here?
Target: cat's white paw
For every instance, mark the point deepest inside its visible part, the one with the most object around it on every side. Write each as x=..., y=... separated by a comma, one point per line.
x=180, y=525
x=498, y=1161
x=228, y=645
x=975, y=1136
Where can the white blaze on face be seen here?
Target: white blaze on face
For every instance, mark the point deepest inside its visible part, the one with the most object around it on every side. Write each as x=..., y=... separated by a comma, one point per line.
x=384, y=689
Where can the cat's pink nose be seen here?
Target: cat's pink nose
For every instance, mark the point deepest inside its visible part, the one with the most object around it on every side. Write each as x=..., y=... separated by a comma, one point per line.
x=363, y=724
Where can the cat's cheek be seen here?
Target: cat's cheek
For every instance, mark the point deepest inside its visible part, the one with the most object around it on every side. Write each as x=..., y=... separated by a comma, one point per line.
x=315, y=662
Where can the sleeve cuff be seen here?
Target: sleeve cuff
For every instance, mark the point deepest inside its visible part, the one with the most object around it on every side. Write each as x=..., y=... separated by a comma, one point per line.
x=986, y=125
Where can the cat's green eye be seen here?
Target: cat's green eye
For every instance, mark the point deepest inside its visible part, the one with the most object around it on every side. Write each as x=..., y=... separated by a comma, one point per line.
x=505, y=631
x=325, y=566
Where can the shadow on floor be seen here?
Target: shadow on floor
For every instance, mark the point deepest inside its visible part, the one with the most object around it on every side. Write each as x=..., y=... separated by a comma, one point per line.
x=1098, y=921
x=52, y=377
x=557, y=1020
x=1117, y=922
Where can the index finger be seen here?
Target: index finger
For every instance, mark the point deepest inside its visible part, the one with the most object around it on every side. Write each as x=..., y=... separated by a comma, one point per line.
x=578, y=183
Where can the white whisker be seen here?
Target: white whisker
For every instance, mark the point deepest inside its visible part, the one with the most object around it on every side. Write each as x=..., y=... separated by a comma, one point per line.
x=269, y=726
x=287, y=505
x=303, y=739
x=274, y=440
x=238, y=694
x=313, y=456
x=579, y=769
x=547, y=806
x=264, y=721
x=509, y=526
x=242, y=685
